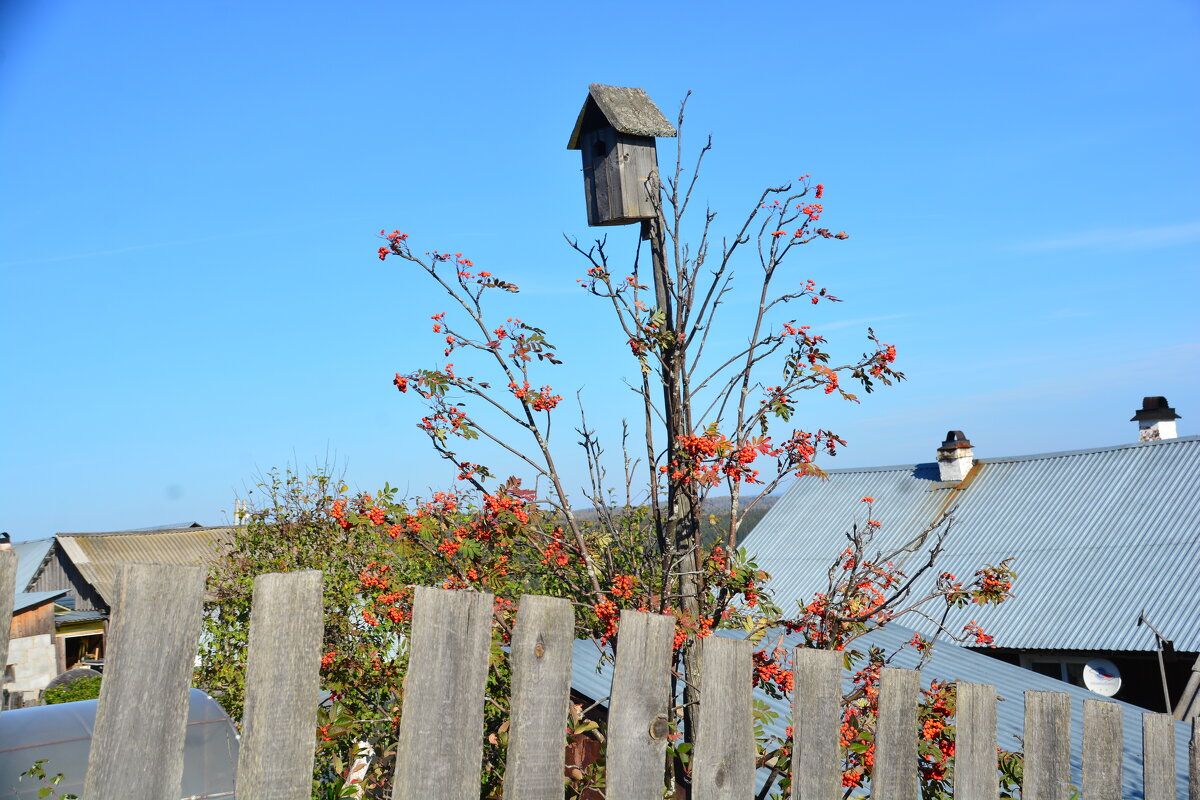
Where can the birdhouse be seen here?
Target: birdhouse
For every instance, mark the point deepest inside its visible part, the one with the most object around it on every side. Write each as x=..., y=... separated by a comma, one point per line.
x=615, y=134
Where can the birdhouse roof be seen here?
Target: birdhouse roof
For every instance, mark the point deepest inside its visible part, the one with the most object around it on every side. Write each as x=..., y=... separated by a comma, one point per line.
x=626, y=108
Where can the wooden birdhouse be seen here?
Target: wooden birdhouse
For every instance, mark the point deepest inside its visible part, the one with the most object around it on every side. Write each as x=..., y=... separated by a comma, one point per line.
x=615, y=133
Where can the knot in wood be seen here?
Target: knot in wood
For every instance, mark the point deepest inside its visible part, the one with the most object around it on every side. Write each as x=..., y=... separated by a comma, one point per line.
x=659, y=728
x=539, y=648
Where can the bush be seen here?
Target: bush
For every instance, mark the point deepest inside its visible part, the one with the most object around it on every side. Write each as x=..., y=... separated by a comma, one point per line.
x=86, y=688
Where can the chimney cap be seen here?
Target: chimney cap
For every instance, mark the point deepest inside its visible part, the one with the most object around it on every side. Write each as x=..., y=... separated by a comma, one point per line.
x=955, y=440
x=1154, y=409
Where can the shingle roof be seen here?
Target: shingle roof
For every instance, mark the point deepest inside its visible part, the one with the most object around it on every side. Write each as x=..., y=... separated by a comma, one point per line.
x=97, y=555
x=627, y=108
x=951, y=663
x=31, y=556
x=1098, y=536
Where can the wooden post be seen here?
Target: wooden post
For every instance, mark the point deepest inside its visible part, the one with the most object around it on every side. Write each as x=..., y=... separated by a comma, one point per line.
x=1047, y=746
x=283, y=679
x=8, y=584
x=637, y=717
x=895, y=775
x=541, y=691
x=440, y=747
x=1103, y=749
x=975, y=767
x=816, y=723
x=1158, y=755
x=141, y=718
x=725, y=750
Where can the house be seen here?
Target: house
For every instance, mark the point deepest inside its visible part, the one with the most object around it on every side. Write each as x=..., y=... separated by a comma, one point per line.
x=1105, y=542
x=65, y=591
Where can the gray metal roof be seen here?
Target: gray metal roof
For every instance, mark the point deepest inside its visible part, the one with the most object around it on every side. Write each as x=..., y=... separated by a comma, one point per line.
x=951, y=663
x=1098, y=537
x=27, y=600
x=627, y=108
x=31, y=556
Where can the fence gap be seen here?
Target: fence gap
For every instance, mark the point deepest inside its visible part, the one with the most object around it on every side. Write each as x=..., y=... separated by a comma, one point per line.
x=816, y=723
x=440, y=748
x=1158, y=755
x=895, y=774
x=287, y=621
x=638, y=711
x=541, y=691
x=141, y=718
x=1103, y=750
x=1047, y=746
x=725, y=749
x=975, y=768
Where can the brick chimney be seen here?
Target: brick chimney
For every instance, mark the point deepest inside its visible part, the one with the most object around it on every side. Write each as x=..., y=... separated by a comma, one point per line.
x=1155, y=419
x=955, y=457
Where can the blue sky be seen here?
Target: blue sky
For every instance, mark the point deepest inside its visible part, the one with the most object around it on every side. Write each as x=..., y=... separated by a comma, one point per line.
x=190, y=195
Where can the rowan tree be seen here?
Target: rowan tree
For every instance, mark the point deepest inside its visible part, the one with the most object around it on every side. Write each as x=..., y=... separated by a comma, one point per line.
x=711, y=425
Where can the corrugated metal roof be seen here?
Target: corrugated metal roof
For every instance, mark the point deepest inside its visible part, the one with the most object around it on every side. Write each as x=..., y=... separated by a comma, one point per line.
x=78, y=616
x=951, y=663
x=97, y=555
x=27, y=600
x=1098, y=537
x=31, y=556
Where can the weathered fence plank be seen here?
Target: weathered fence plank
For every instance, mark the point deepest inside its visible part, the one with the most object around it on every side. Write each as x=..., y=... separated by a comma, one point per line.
x=895, y=775
x=440, y=747
x=637, y=717
x=975, y=776
x=816, y=723
x=725, y=747
x=541, y=691
x=1158, y=755
x=8, y=578
x=1103, y=747
x=141, y=718
x=1194, y=762
x=1047, y=746
x=283, y=678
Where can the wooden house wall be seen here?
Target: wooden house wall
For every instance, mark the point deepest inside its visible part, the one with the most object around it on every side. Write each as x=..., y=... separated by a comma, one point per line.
x=33, y=621
x=60, y=573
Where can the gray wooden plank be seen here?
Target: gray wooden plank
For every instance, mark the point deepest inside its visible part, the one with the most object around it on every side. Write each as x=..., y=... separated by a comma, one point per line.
x=8, y=578
x=637, y=717
x=141, y=718
x=816, y=723
x=725, y=750
x=1194, y=762
x=1047, y=746
x=895, y=773
x=1103, y=750
x=275, y=760
x=975, y=769
x=541, y=692
x=1158, y=755
x=440, y=747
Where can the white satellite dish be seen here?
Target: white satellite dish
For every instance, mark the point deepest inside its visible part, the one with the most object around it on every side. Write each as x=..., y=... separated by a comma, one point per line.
x=1102, y=677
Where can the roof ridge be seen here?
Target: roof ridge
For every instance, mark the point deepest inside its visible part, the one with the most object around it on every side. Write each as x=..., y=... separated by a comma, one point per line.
x=147, y=532
x=1085, y=450
x=1024, y=457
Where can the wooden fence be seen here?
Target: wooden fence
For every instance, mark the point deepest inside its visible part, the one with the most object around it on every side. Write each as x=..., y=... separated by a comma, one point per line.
x=137, y=744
